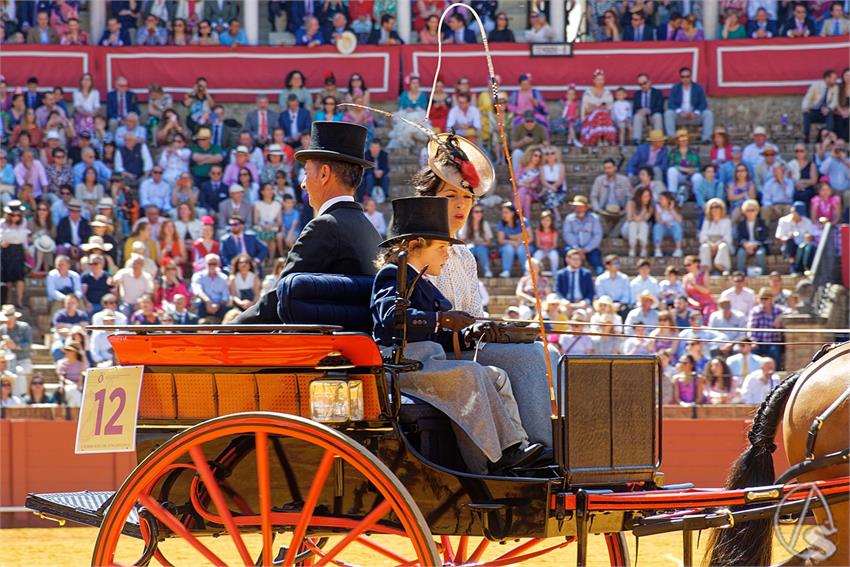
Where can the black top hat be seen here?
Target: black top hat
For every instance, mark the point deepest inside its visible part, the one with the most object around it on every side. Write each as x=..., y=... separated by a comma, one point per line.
x=420, y=217
x=336, y=141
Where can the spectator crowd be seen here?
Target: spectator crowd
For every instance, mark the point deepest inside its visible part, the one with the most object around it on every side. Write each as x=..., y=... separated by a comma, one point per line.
x=181, y=210
x=313, y=23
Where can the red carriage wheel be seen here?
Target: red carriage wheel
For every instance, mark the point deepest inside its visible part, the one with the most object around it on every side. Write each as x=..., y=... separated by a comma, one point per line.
x=618, y=550
x=393, y=511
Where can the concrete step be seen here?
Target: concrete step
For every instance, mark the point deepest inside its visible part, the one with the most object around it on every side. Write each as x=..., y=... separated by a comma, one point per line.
x=48, y=371
x=41, y=354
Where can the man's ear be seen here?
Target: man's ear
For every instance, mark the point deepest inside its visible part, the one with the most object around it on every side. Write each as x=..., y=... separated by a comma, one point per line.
x=325, y=173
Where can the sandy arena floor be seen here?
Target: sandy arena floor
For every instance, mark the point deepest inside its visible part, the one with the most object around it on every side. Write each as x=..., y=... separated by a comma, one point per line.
x=72, y=547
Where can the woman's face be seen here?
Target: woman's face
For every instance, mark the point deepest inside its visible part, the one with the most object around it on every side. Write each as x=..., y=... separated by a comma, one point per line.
x=245, y=178
x=207, y=232
x=460, y=203
x=144, y=232
x=91, y=176
x=646, y=198
x=168, y=228
x=267, y=193
x=29, y=115
x=243, y=266
x=146, y=305
x=432, y=24
x=414, y=84
x=184, y=212
x=643, y=176
x=85, y=82
x=546, y=221
x=599, y=81
x=825, y=191
x=297, y=81
x=501, y=22
x=719, y=140
x=741, y=173
x=536, y=156
x=356, y=82
x=329, y=106
x=507, y=214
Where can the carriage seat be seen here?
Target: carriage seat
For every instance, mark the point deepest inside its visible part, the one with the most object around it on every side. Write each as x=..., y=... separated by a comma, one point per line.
x=326, y=299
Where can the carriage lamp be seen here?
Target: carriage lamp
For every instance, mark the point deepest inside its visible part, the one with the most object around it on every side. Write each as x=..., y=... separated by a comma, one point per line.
x=335, y=401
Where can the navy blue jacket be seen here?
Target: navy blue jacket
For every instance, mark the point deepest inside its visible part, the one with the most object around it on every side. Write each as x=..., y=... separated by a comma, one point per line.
x=212, y=197
x=649, y=33
x=425, y=302
x=656, y=101
x=468, y=35
x=302, y=122
x=112, y=104
x=253, y=247
x=770, y=26
x=640, y=158
x=698, y=100
x=381, y=163
x=759, y=232
x=564, y=284
x=791, y=25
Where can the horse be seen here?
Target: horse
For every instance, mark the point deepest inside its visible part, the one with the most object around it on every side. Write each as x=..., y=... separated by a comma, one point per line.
x=805, y=395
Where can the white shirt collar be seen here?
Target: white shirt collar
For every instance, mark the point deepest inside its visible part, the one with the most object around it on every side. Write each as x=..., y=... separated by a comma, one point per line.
x=333, y=201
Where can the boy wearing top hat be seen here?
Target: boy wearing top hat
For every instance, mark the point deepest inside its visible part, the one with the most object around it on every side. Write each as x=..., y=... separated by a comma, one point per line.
x=477, y=398
x=340, y=239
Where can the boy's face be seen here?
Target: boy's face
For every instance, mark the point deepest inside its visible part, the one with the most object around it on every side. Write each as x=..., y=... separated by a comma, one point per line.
x=620, y=94
x=434, y=256
x=288, y=204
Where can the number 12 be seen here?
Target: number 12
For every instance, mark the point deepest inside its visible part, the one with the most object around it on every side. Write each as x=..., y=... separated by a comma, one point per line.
x=111, y=427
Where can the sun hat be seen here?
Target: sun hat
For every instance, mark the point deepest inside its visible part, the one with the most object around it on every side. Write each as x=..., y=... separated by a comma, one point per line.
x=44, y=244
x=96, y=243
x=468, y=167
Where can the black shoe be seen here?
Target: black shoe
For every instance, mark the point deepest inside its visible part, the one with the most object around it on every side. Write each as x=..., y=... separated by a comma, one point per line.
x=514, y=457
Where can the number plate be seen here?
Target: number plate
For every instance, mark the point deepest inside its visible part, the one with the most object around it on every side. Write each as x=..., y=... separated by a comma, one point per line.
x=109, y=410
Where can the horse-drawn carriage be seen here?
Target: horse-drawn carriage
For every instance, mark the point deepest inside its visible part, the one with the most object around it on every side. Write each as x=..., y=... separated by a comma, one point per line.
x=296, y=443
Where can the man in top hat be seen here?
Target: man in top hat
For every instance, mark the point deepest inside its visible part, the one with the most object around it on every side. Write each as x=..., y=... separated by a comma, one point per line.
x=340, y=239
x=583, y=231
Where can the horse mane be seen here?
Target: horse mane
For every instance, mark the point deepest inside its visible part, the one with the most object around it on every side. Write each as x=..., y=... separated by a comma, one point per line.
x=749, y=543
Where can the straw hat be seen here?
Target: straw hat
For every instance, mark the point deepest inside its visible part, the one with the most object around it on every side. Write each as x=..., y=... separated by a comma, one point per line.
x=463, y=152
x=96, y=243
x=8, y=311
x=44, y=244
x=101, y=221
x=346, y=43
x=646, y=294
x=73, y=346
x=604, y=300
x=580, y=200
x=656, y=136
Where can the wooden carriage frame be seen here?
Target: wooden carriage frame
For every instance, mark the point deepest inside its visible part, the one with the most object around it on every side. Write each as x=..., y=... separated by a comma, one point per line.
x=226, y=446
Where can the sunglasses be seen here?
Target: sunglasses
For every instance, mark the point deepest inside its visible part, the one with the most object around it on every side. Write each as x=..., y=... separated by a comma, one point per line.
x=38, y=383
x=5, y=385
x=43, y=209
x=684, y=76
x=478, y=212
x=157, y=172
x=643, y=83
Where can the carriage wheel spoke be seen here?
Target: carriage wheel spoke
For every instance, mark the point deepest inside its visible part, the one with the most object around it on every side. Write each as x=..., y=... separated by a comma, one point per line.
x=309, y=505
x=476, y=555
x=448, y=553
x=175, y=526
x=365, y=540
x=461, y=549
x=264, y=487
x=221, y=505
x=519, y=549
x=370, y=520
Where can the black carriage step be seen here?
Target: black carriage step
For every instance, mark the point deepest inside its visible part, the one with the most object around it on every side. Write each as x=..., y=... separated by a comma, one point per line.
x=86, y=508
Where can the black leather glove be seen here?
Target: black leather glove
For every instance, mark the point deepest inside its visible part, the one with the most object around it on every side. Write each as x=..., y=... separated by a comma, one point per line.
x=454, y=320
x=485, y=331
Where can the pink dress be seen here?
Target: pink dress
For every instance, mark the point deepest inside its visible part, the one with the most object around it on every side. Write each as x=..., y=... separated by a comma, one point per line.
x=703, y=301
x=826, y=208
